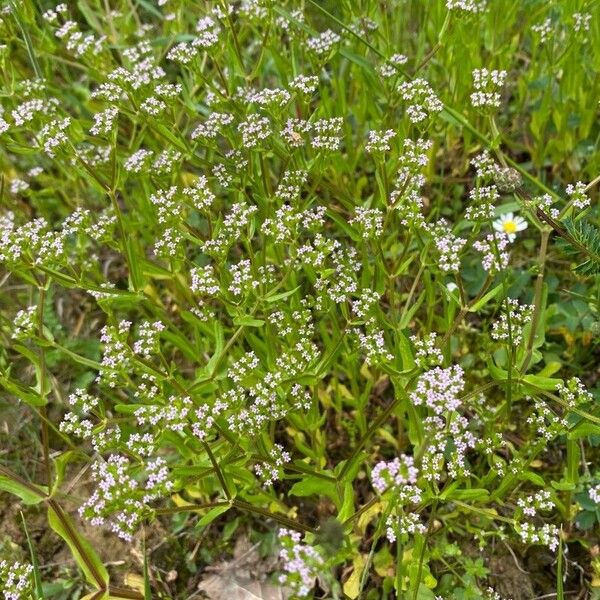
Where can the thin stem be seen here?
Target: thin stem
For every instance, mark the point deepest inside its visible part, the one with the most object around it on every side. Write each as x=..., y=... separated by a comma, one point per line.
x=464, y=310
x=42, y=383
x=537, y=299
x=218, y=471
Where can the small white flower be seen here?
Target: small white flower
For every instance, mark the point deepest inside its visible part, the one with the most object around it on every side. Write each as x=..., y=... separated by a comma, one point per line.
x=510, y=224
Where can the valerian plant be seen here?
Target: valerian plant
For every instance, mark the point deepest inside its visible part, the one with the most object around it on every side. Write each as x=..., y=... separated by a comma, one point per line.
x=289, y=268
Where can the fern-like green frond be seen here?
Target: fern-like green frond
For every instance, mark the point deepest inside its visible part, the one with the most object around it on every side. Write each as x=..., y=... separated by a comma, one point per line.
x=581, y=239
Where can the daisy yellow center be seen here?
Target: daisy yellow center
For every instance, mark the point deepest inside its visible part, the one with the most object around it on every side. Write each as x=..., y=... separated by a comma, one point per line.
x=510, y=226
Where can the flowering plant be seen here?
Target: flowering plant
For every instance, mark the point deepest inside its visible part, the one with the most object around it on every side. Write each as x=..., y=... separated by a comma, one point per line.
x=264, y=274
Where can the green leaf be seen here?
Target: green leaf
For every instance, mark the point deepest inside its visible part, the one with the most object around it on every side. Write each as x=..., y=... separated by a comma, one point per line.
x=315, y=486
x=347, y=508
x=85, y=556
x=136, y=272
x=29, y=494
x=26, y=395
x=473, y=495
x=486, y=298
x=248, y=322
x=212, y=514
x=533, y=477
x=60, y=465
x=586, y=519
x=583, y=429
x=563, y=486
x=282, y=295
x=543, y=383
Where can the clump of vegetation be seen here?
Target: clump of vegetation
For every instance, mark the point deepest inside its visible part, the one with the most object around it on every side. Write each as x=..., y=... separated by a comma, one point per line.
x=313, y=282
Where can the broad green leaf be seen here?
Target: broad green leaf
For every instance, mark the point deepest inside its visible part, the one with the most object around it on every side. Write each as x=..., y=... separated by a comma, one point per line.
x=28, y=493
x=25, y=394
x=315, y=486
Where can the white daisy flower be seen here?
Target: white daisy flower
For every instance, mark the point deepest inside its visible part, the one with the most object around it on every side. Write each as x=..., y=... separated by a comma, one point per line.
x=510, y=224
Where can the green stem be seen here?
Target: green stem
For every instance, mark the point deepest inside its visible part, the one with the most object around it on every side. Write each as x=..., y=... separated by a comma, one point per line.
x=537, y=299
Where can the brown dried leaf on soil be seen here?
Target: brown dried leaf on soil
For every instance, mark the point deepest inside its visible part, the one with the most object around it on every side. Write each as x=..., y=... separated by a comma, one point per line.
x=243, y=577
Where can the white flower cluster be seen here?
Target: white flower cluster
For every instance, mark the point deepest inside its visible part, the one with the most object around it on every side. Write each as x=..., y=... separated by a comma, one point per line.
x=230, y=231
x=392, y=67
x=493, y=249
x=447, y=245
x=17, y=186
x=447, y=431
x=529, y=505
x=199, y=194
x=254, y=130
x=486, y=83
x=16, y=580
x=581, y=22
x=301, y=563
x=116, y=357
x=369, y=222
x=483, y=200
x=427, y=353
x=165, y=162
x=104, y=121
x=268, y=98
x=547, y=424
x=406, y=197
x=175, y=415
x=367, y=301
x=469, y=6
x=547, y=535
x=269, y=472
x=207, y=36
x=509, y=328
x=545, y=202
x=545, y=29
x=76, y=41
x=323, y=43
x=438, y=389
x=422, y=100
x=578, y=196
x=327, y=133
x=139, y=160
x=397, y=477
x=574, y=393
x=372, y=344
x=305, y=84
x=121, y=499
x=25, y=323
x=290, y=219
x=204, y=281
x=53, y=135
x=213, y=125
x=485, y=166
x=403, y=526
x=379, y=141
x=147, y=343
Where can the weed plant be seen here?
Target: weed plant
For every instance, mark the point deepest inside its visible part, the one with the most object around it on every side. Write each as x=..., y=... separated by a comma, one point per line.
x=325, y=274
